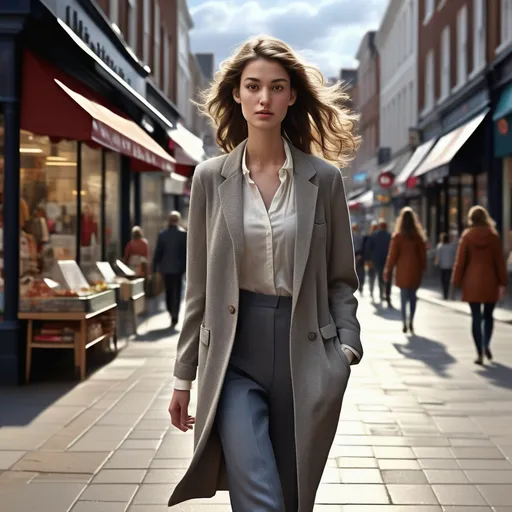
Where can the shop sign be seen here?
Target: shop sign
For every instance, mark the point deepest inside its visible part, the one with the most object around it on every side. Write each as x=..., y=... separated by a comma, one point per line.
x=75, y=17
x=386, y=179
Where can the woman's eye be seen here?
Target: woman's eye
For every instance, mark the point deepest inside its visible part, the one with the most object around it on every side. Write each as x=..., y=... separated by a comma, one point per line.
x=278, y=87
x=251, y=87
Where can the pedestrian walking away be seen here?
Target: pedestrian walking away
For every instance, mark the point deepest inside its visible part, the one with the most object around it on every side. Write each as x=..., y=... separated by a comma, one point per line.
x=445, y=259
x=368, y=258
x=481, y=271
x=359, y=242
x=378, y=247
x=408, y=255
x=170, y=258
x=270, y=328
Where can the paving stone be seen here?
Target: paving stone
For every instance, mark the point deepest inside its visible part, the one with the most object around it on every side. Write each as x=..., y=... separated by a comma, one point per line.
x=356, y=462
x=433, y=453
x=445, y=476
x=411, y=494
x=56, y=497
x=100, y=438
x=132, y=459
x=109, y=492
x=393, y=452
x=76, y=478
x=398, y=464
x=351, y=493
x=477, y=453
x=61, y=462
x=120, y=476
x=99, y=506
x=489, y=477
x=8, y=458
x=438, y=464
x=146, y=434
x=496, y=495
x=8, y=478
x=403, y=477
x=498, y=465
x=164, y=476
x=140, y=444
x=360, y=476
x=458, y=495
x=153, y=494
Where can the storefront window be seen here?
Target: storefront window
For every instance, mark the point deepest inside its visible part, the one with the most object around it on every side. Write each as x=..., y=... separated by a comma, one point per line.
x=112, y=207
x=467, y=198
x=47, y=204
x=90, y=236
x=152, y=210
x=1, y=215
x=481, y=190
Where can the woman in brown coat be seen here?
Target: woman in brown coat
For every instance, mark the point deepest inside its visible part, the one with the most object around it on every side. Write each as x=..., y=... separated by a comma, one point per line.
x=408, y=253
x=481, y=271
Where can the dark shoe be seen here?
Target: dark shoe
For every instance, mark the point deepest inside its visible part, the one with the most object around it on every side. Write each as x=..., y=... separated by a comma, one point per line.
x=404, y=329
x=411, y=328
x=488, y=354
x=479, y=360
x=174, y=322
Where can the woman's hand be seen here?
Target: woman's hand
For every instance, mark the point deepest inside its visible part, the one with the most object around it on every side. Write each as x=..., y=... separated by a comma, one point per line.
x=178, y=409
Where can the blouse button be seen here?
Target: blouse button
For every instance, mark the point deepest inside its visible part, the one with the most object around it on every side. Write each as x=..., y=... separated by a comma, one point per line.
x=312, y=336
x=232, y=309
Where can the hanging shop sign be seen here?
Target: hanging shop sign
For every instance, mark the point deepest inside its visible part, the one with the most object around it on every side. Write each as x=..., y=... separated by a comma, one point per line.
x=386, y=179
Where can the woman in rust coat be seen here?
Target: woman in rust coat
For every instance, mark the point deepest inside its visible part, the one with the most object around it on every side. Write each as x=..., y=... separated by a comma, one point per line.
x=408, y=253
x=481, y=271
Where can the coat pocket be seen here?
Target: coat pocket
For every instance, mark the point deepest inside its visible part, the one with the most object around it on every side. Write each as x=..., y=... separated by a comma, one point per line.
x=329, y=332
x=204, y=336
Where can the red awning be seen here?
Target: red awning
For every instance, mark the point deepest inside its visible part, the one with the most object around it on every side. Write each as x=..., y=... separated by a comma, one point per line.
x=55, y=105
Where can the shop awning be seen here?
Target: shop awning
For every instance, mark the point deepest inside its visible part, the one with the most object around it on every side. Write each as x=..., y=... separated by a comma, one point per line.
x=363, y=201
x=52, y=108
x=448, y=146
x=417, y=157
x=355, y=193
x=188, y=149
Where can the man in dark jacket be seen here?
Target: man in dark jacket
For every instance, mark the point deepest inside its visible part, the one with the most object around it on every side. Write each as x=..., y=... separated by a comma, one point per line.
x=171, y=259
x=378, y=247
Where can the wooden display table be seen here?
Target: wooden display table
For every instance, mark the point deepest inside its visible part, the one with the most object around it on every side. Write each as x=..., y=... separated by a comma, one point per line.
x=81, y=343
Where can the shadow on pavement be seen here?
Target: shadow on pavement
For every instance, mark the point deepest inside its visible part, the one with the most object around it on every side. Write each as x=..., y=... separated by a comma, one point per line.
x=388, y=313
x=156, y=334
x=431, y=352
x=498, y=375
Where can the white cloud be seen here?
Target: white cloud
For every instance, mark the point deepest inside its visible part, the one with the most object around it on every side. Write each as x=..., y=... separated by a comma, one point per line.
x=326, y=33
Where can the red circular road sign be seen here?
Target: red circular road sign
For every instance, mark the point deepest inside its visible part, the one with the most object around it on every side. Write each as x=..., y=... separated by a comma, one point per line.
x=386, y=179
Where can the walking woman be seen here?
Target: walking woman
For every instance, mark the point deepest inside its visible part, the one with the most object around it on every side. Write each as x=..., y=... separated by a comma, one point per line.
x=480, y=269
x=408, y=253
x=270, y=327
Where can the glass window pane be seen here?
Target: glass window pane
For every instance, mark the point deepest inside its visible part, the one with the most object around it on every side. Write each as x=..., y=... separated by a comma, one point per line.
x=48, y=178
x=90, y=237
x=152, y=210
x=112, y=207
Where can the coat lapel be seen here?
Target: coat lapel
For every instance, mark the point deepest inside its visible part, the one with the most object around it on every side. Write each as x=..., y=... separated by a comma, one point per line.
x=305, y=201
x=231, y=201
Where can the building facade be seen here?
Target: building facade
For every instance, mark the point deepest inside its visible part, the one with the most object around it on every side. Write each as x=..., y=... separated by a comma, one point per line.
x=365, y=165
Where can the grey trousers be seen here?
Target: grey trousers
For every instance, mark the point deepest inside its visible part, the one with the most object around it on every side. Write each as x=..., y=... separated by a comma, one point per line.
x=255, y=413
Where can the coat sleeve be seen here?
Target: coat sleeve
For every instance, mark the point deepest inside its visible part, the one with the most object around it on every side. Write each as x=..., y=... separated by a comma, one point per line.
x=501, y=265
x=341, y=273
x=185, y=367
x=460, y=263
x=392, y=258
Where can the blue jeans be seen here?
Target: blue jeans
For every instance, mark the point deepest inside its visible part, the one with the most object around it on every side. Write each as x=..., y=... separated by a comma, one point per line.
x=482, y=338
x=408, y=295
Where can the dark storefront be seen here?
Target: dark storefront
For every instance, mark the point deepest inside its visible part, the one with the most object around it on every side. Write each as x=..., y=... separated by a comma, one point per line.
x=454, y=174
x=77, y=141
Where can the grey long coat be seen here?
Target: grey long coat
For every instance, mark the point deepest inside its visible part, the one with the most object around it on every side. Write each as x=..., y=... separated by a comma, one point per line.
x=323, y=313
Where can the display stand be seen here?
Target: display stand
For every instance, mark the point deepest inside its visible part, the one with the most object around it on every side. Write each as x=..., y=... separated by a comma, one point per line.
x=77, y=321
x=81, y=343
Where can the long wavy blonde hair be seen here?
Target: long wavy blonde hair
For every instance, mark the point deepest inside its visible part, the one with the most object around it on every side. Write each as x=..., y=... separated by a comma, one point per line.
x=317, y=123
x=479, y=216
x=408, y=224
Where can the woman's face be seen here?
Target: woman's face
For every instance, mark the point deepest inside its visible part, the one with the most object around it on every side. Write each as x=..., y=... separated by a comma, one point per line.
x=265, y=94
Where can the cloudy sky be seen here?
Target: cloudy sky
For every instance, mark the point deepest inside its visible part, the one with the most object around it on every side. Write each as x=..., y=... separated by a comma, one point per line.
x=326, y=32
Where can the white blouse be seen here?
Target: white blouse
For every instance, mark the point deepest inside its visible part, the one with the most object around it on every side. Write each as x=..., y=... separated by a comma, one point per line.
x=268, y=260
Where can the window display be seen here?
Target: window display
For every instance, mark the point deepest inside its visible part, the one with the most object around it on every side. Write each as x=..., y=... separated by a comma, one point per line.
x=90, y=236
x=112, y=207
x=47, y=204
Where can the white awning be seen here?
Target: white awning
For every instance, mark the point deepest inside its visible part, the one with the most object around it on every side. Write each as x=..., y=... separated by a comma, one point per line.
x=449, y=145
x=416, y=158
x=363, y=201
x=189, y=150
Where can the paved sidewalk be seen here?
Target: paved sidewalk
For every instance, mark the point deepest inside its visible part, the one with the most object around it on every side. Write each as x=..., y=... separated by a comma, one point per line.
x=422, y=429
x=431, y=292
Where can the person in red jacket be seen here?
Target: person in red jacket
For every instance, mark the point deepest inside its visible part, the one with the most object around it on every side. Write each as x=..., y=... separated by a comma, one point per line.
x=480, y=270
